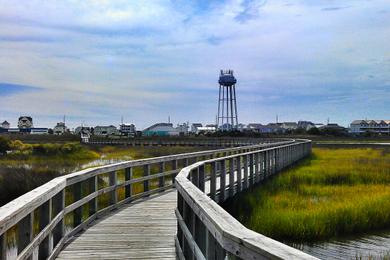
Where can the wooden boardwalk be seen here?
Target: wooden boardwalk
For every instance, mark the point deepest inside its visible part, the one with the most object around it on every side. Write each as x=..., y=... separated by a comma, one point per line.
x=142, y=230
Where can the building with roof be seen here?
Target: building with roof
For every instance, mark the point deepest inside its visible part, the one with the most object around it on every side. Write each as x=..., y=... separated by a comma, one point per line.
x=195, y=126
x=370, y=126
x=289, y=125
x=105, y=130
x=60, y=129
x=127, y=129
x=165, y=129
x=5, y=125
x=25, y=122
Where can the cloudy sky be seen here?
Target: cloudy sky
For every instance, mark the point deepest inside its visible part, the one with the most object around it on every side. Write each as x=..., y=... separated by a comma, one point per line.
x=95, y=61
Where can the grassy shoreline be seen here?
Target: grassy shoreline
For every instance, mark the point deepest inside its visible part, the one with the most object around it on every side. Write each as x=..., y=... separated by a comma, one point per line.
x=336, y=192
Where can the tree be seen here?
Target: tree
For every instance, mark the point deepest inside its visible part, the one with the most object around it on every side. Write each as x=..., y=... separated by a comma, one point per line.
x=313, y=131
x=4, y=145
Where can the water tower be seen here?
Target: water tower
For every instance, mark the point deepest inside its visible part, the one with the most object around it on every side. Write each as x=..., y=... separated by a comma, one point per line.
x=227, y=105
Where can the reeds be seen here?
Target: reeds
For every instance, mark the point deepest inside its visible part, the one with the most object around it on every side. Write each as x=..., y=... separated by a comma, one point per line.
x=335, y=192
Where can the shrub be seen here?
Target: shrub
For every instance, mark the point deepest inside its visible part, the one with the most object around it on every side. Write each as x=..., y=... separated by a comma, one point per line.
x=4, y=145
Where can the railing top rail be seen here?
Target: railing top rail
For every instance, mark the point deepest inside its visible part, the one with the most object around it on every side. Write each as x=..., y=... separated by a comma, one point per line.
x=14, y=211
x=230, y=232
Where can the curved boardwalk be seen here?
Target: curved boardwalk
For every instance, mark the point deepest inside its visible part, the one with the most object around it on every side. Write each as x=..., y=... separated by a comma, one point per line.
x=142, y=230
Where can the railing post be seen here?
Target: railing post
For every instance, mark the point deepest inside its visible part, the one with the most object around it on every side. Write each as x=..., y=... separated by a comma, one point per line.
x=251, y=169
x=246, y=177
x=113, y=183
x=128, y=176
x=3, y=246
x=93, y=187
x=222, y=181
x=46, y=246
x=201, y=176
x=174, y=167
x=239, y=174
x=256, y=163
x=25, y=230
x=195, y=177
x=213, y=181
x=161, y=180
x=58, y=204
x=76, y=197
x=231, y=177
x=146, y=173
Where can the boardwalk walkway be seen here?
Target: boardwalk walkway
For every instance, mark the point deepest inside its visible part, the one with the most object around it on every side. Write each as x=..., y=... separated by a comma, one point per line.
x=141, y=230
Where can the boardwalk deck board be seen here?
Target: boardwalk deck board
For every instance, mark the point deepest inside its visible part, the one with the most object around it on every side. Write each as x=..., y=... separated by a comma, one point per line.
x=143, y=230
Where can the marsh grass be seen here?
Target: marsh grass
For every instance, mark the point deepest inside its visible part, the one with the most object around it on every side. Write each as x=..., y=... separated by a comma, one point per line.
x=333, y=193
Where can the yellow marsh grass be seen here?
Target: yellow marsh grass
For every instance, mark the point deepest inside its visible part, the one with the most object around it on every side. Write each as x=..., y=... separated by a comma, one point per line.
x=335, y=192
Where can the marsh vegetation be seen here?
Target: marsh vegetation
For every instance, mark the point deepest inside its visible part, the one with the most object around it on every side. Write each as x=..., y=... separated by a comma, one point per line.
x=333, y=194
x=28, y=166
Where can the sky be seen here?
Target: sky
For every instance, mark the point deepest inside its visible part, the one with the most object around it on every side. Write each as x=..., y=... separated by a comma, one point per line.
x=96, y=61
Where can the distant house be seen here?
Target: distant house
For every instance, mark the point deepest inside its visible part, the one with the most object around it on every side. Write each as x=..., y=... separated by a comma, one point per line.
x=275, y=128
x=333, y=128
x=5, y=125
x=371, y=126
x=254, y=127
x=60, y=129
x=289, y=125
x=25, y=122
x=39, y=131
x=165, y=129
x=195, y=126
x=206, y=129
x=127, y=129
x=105, y=130
x=83, y=129
x=306, y=125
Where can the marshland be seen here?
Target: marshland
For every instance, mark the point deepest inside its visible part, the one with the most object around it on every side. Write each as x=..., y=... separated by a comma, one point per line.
x=336, y=198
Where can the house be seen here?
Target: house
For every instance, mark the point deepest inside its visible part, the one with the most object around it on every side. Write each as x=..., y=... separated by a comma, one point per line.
x=194, y=127
x=333, y=128
x=306, y=125
x=105, y=130
x=39, y=131
x=165, y=129
x=206, y=129
x=254, y=127
x=60, y=129
x=127, y=129
x=5, y=125
x=25, y=122
x=371, y=126
x=289, y=125
x=275, y=128
x=83, y=130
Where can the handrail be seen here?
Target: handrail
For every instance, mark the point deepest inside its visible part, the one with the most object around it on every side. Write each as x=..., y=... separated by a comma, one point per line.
x=205, y=229
x=34, y=225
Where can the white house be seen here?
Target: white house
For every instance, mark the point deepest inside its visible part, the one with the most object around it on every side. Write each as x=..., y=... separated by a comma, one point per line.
x=25, y=122
x=127, y=129
x=5, y=124
x=39, y=131
x=60, y=129
x=105, y=130
x=194, y=127
x=372, y=126
x=289, y=125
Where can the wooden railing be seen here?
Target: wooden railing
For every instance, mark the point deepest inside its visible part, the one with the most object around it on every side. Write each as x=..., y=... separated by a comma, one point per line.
x=39, y=223
x=205, y=229
x=176, y=141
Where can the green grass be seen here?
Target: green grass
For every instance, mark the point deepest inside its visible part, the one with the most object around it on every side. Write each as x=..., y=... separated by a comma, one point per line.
x=333, y=193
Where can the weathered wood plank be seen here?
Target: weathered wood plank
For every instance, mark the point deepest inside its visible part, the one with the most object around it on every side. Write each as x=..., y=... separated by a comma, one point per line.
x=144, y=229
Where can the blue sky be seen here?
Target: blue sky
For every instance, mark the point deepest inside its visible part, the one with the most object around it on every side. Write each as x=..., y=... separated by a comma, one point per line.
x=96, y=61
